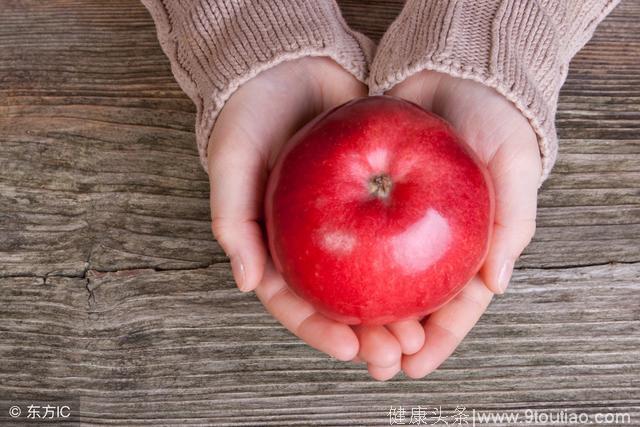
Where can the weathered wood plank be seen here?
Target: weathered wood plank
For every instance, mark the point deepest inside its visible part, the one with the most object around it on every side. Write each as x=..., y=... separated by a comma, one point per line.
x=112, y=290
x=184, y=345
x=104, y=131
x=98, y=116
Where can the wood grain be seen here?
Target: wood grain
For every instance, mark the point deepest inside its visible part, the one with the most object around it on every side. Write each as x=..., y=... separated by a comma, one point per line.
x=114, y=293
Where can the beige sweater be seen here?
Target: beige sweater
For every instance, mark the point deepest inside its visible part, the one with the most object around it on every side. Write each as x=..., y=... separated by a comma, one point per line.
x=521, y=48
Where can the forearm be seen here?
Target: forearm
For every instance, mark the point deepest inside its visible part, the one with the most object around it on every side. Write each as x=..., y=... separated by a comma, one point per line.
x=520, y=48
x=216, y=45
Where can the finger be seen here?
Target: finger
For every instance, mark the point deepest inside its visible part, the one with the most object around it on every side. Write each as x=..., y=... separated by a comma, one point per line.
x=409, y=333
x=238, y=154
x=515, y=170
x=445, y=329
x=298, y=316
x=237, y=176
x=377, y=345
x=383, y=374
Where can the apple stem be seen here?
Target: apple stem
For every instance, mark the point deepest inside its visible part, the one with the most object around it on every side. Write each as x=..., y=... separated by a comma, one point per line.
x=380, y=186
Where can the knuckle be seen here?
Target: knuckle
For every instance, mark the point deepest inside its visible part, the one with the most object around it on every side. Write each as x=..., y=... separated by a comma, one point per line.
x=526, y=231
x=530, y=230
x=219, y=229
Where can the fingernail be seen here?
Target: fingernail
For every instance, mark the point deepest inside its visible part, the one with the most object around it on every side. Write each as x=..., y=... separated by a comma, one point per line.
x=238, y=272
x=505, y=275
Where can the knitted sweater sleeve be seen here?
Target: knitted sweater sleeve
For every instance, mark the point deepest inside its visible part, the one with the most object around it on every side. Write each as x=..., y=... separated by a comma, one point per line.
x=214, y=46
x=521, y=48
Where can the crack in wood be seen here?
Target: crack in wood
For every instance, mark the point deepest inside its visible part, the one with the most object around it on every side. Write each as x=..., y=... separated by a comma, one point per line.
x=88, y=272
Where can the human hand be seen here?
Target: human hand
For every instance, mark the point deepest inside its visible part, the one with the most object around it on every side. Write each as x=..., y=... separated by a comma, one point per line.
x=505, y=142
x=249, y=133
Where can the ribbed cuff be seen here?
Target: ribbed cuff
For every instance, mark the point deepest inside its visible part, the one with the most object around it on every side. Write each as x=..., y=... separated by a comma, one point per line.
x=217, y=45
x=520, y=48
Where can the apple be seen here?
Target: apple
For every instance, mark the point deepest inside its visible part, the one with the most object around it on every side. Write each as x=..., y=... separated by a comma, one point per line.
x=376, y=211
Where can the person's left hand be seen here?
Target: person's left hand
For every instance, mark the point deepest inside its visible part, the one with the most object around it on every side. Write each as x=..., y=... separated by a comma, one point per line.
x=505, y=142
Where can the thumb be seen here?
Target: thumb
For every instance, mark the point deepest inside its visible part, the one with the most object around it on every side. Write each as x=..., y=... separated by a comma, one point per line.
x=255, y=122
x=237, y=173
x=515, y=170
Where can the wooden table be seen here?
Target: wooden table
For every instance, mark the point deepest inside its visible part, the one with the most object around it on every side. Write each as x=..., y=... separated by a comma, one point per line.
x=115, y=297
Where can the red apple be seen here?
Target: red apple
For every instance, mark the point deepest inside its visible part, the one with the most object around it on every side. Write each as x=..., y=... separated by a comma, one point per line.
x=376, y=211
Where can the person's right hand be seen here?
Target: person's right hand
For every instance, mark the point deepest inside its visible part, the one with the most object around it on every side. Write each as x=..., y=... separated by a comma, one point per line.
x=246, y=140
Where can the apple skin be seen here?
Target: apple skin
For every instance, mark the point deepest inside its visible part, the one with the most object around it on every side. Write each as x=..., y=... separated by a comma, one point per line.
x=376, y=211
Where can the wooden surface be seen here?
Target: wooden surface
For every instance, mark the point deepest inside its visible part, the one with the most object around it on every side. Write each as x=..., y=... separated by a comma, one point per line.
x=114, y=294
